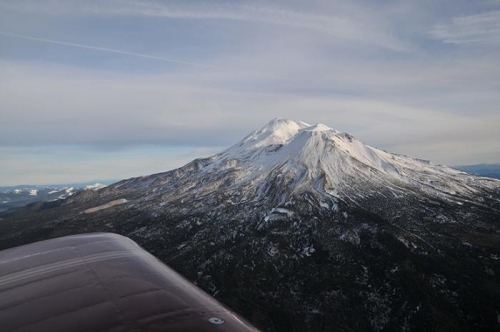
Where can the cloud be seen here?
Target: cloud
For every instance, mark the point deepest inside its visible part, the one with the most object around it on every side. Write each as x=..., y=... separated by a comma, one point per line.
x=103, y=49
x=70, y=164
x=332, y=24
x=54, y=105
x=473, y=29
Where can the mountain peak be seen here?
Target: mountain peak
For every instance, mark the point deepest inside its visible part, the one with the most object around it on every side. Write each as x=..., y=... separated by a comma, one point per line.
x=320, y=127
x=311, y=154
x=277, y=131
x=283, y=140
x=280, y=125
x=280, y=131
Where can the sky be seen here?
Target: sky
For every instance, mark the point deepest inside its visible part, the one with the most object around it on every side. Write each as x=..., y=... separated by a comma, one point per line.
x=112, y=89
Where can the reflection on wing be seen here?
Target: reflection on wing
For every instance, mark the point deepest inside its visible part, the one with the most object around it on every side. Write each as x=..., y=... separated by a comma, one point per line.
x=101, y=282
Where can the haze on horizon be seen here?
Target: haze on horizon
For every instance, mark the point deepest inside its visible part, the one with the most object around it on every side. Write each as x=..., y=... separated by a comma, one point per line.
x=114, y=89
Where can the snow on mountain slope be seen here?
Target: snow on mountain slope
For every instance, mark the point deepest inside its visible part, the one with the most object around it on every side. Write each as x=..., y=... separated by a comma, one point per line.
x=95, y=186
x=288, y=161
x=335, y=163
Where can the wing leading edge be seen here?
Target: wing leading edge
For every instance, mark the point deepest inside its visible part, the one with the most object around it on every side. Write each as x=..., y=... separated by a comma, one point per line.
x=102, y=282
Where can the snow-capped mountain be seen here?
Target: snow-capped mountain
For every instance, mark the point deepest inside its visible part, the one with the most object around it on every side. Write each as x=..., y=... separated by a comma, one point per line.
x=303, y=228
x=316, y=157
x=287, y=159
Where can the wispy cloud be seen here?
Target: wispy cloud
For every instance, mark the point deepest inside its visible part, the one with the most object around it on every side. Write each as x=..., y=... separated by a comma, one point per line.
x=473, y=29
x=70, y=163
x=92, y=109
x=104, y=49
x=338, y=26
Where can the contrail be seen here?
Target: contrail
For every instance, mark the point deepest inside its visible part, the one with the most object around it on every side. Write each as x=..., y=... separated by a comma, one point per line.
x=103, y=49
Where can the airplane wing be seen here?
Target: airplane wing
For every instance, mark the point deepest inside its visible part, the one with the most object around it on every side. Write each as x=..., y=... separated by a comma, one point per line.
x=102, y=282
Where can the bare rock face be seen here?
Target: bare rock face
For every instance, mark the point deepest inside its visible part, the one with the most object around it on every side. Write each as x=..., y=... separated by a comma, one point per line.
x=304, y=228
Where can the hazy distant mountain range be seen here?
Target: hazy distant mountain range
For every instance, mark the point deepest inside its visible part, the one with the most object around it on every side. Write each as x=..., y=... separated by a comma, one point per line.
x=17, y=196
x=300, y=227
x=488, y=170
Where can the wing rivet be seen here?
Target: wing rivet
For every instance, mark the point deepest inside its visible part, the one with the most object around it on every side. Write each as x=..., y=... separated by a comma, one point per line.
x=216, y=320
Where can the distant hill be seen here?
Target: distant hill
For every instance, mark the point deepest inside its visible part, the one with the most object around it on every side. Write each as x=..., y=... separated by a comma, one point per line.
x=487, y=170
